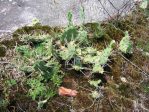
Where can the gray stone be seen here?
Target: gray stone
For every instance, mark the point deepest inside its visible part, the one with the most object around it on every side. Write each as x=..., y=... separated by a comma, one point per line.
x=17, y=13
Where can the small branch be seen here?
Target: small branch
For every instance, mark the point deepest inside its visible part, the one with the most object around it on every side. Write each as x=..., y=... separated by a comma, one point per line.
x=146, y=74
x=105, y=9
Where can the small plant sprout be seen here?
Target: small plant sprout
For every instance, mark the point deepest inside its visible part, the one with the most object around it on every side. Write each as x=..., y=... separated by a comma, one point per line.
x=91, y=50
x=3, y=103
x=69, y=18
x=144, y=4
x=103, y=56
x=69, y=34
x=95, y=94
x=36, y=88
x=98, y=30
x=11, y=82
x=95, y=83
x=69, y=51
x=88, y=59
x=82, y=36
x=77, y=64
x=82, y=14
x=35, y=22
x=97, y=68
x=41, y=103
x=125, y=45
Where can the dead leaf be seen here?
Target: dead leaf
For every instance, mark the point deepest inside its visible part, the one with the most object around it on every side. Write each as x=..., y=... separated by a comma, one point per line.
x=67, y=92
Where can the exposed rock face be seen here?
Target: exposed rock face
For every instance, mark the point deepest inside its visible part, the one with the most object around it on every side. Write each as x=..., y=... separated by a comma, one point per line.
x=17, y=13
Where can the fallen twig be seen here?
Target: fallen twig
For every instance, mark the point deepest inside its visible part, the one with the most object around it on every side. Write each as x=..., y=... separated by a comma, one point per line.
x=145, y=74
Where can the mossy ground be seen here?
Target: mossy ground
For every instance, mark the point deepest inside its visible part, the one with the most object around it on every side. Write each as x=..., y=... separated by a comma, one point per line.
x=116, y=95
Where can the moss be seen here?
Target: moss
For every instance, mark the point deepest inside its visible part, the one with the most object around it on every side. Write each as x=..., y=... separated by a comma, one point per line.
x=2, y=50
x=114, y=32
x=36, y=30
x=9, y=43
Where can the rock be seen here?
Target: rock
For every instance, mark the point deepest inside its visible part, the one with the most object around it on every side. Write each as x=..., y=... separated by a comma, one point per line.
x=17, y=13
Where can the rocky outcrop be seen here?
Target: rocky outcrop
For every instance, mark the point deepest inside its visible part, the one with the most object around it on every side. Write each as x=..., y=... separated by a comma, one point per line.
x=17, y=13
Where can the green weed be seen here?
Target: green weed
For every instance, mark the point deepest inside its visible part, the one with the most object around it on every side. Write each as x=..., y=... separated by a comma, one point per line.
x=125, y=44
x=86, y=56
x=145, y=6
x=36, y=59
